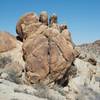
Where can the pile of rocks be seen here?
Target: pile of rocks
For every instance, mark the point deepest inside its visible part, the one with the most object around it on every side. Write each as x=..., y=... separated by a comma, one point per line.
x=47, y=47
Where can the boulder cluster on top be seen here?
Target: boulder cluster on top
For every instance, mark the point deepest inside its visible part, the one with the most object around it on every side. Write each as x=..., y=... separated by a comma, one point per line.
x=48, y=50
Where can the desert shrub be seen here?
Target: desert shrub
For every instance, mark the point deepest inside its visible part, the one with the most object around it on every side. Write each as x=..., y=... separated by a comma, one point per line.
x=13, y=77
x=59, y=88
x=41, y=90
x=4, y=60
x=87, y=93
x=70, y=73
x=44, y=91
x=14, y=71
x=14, y=99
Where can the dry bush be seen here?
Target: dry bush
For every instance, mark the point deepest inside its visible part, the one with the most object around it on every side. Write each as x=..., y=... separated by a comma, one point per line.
x=45, y=92
x=4, y=61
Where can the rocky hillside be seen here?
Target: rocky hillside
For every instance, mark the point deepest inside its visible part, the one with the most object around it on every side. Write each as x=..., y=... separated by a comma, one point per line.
x=42, y=62
x=91, y=50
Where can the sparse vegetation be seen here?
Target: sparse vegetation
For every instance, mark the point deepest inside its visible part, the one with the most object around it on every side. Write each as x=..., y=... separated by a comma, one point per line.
x=51, y=94
x=4, y=60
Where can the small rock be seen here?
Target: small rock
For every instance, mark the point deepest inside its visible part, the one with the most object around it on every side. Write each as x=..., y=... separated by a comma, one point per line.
x=43, y=18
x=53, y=19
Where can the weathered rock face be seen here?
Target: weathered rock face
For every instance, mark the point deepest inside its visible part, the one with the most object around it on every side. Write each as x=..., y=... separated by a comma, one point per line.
x=7, y=42
x=25, y=22
x=48, y=50
x=36, y=56
x=43, y=18
x=12, y=64
x=53, y=19
x=62, y=27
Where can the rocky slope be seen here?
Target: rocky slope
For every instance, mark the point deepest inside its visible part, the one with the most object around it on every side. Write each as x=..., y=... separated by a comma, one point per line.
x=86, y=83
x=83, y=83
x=91, y=50
x=42, y=63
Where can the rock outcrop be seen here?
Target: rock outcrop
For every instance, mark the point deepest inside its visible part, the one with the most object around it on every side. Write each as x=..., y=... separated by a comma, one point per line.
x=13, y=91
x=12, y=64
x=85, y=85
x=7, y=42
x=48, y=49
x=46, y=55
x=90, y=51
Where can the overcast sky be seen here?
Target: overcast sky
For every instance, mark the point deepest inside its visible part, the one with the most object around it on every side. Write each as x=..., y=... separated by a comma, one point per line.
x=81, y=16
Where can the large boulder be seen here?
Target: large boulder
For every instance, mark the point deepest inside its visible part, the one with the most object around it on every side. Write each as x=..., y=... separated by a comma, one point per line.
x=48, y=50
x=7, y=42
x=36, y=56
x=24, y=22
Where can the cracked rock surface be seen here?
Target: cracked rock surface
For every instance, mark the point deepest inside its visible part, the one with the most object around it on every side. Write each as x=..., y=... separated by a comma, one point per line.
x=48, y=50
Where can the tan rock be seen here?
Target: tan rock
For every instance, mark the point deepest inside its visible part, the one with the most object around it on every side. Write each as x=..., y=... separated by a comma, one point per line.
x=66, y=34
x=51, y=32
x=7, y=42
x=48, y=50
x=30, y=29
x=62, y=27
x=53, y=19
x=55, y=26
x=43, y=18
x=24, y=21
x=65, y=47
x=57, y=62
x=36, y=55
